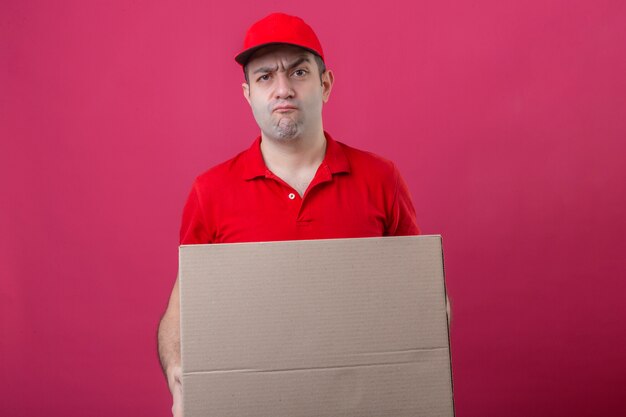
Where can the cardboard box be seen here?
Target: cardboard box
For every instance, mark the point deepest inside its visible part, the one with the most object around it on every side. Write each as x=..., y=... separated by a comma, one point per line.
x=341, y=327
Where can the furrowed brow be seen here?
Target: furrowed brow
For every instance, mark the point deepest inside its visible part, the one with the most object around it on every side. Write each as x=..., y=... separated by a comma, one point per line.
x=298, y=62
x=265, y=69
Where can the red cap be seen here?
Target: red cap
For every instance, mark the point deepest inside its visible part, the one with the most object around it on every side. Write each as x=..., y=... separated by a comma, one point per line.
x=279, y=28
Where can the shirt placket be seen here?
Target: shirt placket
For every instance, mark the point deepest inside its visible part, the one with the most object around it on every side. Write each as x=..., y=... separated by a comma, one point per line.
x=290, y=196
x=297, y=204
x=304, y=219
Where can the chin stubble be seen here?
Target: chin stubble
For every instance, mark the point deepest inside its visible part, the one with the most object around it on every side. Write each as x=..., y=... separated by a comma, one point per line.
x=286, y=129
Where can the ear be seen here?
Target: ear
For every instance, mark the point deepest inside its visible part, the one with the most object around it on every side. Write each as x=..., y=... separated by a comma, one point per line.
x=328, y=78
x=245, y=87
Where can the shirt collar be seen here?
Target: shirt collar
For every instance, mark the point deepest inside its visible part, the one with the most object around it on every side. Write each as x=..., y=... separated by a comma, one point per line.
x=335, y=159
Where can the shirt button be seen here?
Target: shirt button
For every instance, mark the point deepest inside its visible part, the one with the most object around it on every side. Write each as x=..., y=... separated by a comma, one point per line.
x=292, y=196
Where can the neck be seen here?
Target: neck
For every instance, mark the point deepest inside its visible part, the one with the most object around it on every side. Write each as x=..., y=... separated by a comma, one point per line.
x=295, y=154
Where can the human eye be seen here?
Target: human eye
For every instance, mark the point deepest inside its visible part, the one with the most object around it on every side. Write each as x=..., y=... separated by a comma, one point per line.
x=300, y=72
x=264, y=77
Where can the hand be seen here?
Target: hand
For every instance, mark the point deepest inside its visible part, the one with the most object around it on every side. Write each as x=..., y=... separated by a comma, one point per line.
x=175, y=382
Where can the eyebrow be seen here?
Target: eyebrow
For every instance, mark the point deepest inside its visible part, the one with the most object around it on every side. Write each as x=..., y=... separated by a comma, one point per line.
x=275, y=67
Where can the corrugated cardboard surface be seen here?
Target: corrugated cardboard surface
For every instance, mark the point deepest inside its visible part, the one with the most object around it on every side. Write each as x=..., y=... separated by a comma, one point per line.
x=342, y=327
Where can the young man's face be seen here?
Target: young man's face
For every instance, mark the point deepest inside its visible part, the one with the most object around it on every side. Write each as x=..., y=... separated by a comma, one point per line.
x=285, y=91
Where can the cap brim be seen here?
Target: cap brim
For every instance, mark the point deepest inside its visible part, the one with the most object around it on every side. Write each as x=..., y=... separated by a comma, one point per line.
x=243, y=57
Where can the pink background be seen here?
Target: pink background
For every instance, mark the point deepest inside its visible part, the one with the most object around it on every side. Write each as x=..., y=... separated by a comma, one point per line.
x=507, y=119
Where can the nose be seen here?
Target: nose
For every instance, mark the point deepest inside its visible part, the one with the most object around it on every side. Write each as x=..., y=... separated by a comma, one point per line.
x=284, y=89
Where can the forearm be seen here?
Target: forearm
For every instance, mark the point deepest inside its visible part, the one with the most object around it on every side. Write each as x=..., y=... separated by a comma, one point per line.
x=169, y=341
x=169, y=334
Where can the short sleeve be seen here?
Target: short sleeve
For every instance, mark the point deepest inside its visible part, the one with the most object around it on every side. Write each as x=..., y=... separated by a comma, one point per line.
x=194, y=228
x=402, y=219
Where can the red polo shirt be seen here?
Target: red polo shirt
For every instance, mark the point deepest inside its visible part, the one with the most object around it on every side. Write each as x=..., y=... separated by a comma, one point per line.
x=353, y=194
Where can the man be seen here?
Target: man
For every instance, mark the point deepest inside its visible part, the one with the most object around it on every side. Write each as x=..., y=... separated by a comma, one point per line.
x=295, y=181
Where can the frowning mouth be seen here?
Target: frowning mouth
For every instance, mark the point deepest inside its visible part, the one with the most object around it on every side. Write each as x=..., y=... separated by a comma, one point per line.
x=284, y=109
